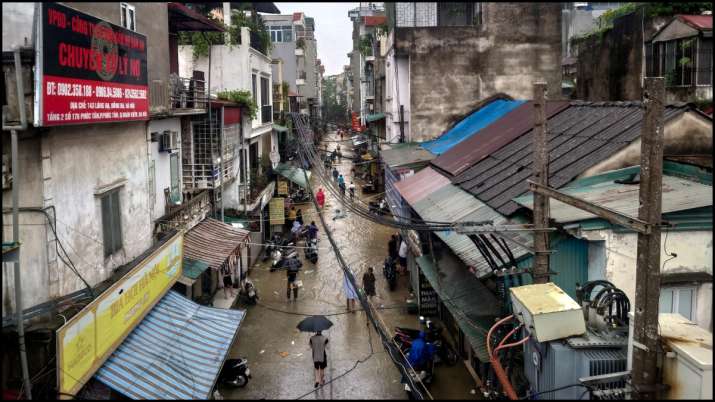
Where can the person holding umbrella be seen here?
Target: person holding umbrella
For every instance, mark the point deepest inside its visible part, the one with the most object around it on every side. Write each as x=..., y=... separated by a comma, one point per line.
x=318, y=342
x=320, y=357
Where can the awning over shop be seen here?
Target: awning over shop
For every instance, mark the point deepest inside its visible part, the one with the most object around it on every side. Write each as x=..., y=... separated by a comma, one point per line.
x=176, y=352
x=359, y=140
x=280, y=129
x=192, y=270
x=213, y=241
x=293, y=174
x=472, y=305
x=374, y=117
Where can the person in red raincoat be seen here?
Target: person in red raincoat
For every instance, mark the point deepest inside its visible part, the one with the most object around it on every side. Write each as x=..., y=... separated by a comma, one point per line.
x=320, y=198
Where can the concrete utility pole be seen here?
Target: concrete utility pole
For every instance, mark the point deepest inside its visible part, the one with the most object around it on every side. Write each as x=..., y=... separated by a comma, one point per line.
x=645, y=325
x=541, y=176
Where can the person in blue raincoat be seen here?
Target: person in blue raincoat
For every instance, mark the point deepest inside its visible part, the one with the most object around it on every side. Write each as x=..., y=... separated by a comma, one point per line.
x=420, y=353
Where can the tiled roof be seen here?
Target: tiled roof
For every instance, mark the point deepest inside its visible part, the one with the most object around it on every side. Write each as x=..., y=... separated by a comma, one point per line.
x=581, y=135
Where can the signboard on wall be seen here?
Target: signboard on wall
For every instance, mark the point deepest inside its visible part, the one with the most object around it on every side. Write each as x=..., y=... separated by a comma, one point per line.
x=91, y=336
x=277, y=211
x=282, y=187
x=356, y=122
x=88, y=70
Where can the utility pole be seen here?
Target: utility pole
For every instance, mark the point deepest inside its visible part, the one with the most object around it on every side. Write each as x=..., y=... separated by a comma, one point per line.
x=541, y=176
x=645, y=325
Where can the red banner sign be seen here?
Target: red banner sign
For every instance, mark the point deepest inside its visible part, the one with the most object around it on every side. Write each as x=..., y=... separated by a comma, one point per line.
x=356, y=122
x=91, y=71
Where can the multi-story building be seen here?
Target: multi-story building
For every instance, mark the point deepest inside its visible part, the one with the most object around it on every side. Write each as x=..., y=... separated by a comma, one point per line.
x=228, y=140
x=97, y=177
x=365, y=18
x=442, y=59
x=99, y=158
x=294, y=50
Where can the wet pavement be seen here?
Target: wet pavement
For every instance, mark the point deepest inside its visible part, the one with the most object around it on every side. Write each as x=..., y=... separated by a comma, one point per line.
x=278, y=354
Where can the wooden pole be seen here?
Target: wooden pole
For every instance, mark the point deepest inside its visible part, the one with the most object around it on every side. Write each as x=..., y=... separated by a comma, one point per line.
x=541, y=176
x=645, y=326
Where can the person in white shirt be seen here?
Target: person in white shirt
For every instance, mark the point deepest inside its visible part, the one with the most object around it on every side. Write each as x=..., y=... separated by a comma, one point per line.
x=403, y=257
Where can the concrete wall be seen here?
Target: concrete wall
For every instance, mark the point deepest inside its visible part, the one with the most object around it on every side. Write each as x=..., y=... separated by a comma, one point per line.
x=162, y=167
x=694, y=251
x=397, y=92
x=33, y=229
x=688, y=134
x=65, y=168
x=453, y=68
x=286, y=52
x=611, y=67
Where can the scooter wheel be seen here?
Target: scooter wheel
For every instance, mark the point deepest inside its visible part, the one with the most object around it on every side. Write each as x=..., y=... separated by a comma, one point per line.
x=241, y=381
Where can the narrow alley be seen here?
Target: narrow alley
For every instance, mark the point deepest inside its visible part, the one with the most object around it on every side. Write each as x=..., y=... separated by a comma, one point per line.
x=279, y=355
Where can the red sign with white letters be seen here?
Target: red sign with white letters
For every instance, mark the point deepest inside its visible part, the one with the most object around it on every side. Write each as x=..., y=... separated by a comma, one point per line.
x=91, y=71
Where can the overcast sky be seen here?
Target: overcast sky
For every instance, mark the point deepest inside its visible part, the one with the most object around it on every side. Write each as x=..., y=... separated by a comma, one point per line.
x=333, y=30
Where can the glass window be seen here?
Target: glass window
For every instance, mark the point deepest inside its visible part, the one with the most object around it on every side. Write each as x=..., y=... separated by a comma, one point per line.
x=678, y=299
x=127, y=16
x=705, y=61
x=255, y=91
x=174, y=168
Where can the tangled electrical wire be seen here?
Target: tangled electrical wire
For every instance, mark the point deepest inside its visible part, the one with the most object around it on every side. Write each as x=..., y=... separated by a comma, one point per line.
x=609, y=297
x=309, y=156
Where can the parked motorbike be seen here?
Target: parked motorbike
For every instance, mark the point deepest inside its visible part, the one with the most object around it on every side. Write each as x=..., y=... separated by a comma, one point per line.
x=425, y=376
x=379, y=208
x=389, y=270
x=250, y=294
x=300, y=196
x=433, y=333
x=283, y=252
x=272, y=245
x=235, y=373
x=311, y=252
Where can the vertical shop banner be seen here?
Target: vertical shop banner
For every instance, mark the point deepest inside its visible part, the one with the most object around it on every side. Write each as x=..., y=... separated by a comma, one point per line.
x=88, y=70
x=356, y=122
x=277, y=211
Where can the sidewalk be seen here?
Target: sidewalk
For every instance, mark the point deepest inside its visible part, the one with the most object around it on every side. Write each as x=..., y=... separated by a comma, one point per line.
x=220, y=300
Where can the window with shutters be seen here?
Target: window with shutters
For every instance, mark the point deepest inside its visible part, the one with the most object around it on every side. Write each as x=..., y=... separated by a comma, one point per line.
x=111, y=222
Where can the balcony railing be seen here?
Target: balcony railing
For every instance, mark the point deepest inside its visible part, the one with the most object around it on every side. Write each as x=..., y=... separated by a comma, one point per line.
x=266, y=114
x=186, y=215
x=177, y=96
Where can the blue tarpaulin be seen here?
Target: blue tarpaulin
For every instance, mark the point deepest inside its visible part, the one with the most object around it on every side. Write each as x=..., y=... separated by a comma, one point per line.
x=470, y=125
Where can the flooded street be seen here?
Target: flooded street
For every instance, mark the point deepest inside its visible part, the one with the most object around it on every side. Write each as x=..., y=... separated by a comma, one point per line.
x=279, y=355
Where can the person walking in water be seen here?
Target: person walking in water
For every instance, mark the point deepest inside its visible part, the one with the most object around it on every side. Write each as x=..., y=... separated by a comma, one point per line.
x=350, y=293
x=368, y=282
x=318, y=345
x=335, y=173
x=341, y=184
x=351, y=189
x=320, y=198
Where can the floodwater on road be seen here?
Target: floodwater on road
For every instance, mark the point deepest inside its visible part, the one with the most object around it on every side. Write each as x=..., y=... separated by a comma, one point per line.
x=278, y=354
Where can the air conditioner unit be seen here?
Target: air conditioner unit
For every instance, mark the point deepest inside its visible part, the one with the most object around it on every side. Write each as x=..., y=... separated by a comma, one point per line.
x=169, y=141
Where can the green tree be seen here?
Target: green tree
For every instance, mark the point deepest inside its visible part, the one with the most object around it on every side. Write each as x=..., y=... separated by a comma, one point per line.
x=334, y=108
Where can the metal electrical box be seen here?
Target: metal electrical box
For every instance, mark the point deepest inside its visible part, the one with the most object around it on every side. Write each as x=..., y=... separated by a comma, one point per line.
x=688, y=364
x=547, y=312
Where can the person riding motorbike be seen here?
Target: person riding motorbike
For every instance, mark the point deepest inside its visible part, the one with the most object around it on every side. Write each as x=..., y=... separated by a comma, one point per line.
x=421, y=352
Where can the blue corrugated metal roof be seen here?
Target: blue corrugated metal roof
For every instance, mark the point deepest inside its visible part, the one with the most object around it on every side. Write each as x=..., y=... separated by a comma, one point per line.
x=174, y=353
x=470, y=125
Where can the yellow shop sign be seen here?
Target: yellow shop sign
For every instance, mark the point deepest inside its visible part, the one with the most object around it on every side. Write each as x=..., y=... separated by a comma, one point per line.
x=90, y=337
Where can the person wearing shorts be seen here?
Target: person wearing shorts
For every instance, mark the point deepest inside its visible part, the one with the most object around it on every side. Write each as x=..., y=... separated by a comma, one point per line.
x=320, y=357
x=227, y=281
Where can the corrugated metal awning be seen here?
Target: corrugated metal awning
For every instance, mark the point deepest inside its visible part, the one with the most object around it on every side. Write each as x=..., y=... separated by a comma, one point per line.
x=416, y=187
x=176, y=352
x=213, y=241
x=449, y=203
x=679, y=194
x=294, y=174
x=407, y=154
x=472, y=305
